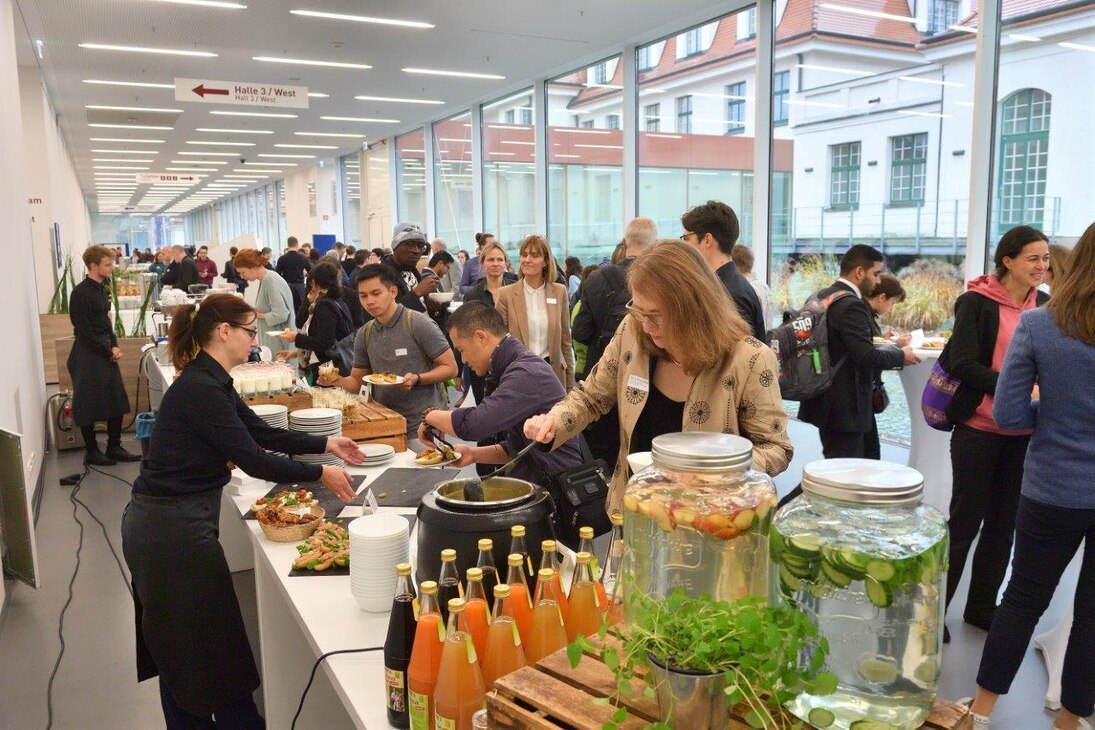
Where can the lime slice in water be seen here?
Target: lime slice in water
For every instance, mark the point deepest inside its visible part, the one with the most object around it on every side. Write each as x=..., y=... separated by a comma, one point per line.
x=927, y=670
x=819, y=717
x=878, y=669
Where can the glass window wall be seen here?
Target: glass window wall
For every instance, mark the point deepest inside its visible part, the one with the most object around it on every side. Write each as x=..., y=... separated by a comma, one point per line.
x=585, y=163
x=509, y=170
x=410, y=176
x=351, y=200
x=452, y=188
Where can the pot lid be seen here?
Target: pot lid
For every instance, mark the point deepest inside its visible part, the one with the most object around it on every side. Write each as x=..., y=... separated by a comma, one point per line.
x=864, y=481
x=702, y=451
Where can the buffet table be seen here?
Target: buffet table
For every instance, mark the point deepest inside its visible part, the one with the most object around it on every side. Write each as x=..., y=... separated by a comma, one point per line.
x=930, y=453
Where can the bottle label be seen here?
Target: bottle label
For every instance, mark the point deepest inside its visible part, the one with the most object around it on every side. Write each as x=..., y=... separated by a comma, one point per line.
x=420, y=710
x=443, y=723
x=516, y=634
x=440, y=631
x=396, y=696
x=470, y=647
x=414, y=604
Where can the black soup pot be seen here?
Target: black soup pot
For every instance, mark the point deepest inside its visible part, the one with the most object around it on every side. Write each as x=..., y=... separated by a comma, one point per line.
x=447, y=520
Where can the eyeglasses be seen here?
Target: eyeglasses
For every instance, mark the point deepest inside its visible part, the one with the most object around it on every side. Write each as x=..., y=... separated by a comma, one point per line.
x=654, y=319
x=686, y=236
x=254, y=333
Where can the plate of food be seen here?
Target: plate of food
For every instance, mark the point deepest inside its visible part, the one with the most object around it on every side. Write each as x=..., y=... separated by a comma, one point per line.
x=383, y=379
x=327, y=550
x=933, y=343
x=299, y=501
x=440, y=455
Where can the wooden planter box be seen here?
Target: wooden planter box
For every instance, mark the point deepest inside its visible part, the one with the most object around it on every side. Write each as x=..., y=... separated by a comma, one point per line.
x=131, y=358
x=552, y=695
x=53, y=327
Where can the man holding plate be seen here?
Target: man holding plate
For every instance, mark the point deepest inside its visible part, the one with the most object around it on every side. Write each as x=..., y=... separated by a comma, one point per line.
x=397, y=342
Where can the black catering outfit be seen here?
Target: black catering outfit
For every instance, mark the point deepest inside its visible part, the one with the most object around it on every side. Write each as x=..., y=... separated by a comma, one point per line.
x=189, y=629
x=98, y=391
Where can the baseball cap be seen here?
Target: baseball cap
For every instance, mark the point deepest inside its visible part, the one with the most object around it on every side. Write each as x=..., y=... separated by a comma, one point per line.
x=405, y=232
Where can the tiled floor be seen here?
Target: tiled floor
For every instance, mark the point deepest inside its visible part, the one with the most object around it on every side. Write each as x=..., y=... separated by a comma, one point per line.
x=96, y=684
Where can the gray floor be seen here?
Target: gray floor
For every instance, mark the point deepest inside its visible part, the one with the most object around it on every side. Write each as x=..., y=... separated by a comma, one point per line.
x=96, y=684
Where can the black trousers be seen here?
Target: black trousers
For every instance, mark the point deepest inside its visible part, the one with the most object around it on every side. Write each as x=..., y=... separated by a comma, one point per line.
x=1046, y=539
x=300, y=293
x=988, y=472
x=242, y=715
x=872, y=447
x=113, y=434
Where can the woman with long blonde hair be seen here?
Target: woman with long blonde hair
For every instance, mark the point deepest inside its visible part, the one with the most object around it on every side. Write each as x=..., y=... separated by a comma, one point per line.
x=684, y=360
x=537, y=309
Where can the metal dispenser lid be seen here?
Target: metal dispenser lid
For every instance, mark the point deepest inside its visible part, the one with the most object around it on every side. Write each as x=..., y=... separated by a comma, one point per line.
x=863, y=481
x=696, y=451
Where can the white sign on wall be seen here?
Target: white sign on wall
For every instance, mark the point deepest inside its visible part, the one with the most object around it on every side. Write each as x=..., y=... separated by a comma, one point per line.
x=247, y=93
x=144, y=178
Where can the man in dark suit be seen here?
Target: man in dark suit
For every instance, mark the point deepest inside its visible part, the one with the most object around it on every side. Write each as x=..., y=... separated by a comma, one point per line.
x=843, y=413
x=713, y=229
x=293, y=266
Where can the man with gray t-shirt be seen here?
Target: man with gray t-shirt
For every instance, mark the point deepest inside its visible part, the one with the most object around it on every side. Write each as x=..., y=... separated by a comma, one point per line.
x=399, y=341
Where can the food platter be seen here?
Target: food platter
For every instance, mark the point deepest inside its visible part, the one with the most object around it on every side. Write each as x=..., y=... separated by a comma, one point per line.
x=384, y=379
x=437, y=456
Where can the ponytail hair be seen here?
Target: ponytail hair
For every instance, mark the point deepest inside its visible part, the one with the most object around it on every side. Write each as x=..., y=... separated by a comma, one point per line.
x=192, y=325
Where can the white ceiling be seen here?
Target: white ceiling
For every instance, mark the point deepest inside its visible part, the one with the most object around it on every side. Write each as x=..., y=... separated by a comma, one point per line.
x=520, y=39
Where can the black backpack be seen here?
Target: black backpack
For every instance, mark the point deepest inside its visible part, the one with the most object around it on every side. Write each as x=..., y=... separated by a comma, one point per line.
x=801, y=345
x=613, y=309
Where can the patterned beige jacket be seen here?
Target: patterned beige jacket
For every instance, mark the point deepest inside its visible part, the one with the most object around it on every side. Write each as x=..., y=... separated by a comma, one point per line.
x=741, y=397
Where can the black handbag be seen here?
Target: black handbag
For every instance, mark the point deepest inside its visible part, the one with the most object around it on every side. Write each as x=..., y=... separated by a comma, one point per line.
x=880, y=399
x=580, y=495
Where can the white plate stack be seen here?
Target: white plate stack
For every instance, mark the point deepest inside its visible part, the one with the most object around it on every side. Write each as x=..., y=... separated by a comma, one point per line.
x=276, y=416
x=318, y=422
x=378, y=543
x=376, y=454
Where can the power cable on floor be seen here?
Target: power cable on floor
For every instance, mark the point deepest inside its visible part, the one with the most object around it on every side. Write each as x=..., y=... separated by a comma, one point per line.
x=64, y=609
x=109, y=542
x=312, y=676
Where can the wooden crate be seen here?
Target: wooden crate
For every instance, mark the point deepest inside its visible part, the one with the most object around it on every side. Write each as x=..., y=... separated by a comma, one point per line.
x=378, y=424
x=294, y=402
x=552, y=695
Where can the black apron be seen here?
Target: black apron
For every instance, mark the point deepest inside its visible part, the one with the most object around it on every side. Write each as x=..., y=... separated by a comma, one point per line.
x=189, y=628
x=98, y=393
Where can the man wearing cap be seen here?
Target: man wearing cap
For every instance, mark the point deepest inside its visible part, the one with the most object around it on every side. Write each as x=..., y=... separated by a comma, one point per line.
x=409, y=244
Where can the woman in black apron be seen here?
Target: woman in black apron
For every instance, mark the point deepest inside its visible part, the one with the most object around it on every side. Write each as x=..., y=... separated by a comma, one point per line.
x=189, y=629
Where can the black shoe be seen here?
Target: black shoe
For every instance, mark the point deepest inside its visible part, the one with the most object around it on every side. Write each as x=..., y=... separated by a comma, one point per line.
x=119, y=454
x=94, y=457
x=946, y=634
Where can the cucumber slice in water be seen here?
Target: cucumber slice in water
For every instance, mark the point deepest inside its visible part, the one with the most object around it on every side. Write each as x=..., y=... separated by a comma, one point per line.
x=819, y=717
x=877, y=593
x=840, y=580
x=878, y=669
x=880, y=570
x=805, y=545
x=871, y=725
x=789, y=580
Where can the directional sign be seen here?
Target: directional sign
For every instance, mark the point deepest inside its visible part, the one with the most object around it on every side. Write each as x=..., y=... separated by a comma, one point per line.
x=247, y=93
x=143, y=178
x=140, y=209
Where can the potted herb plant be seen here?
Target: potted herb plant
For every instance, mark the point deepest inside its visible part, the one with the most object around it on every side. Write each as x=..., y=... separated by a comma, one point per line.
x=704, y=656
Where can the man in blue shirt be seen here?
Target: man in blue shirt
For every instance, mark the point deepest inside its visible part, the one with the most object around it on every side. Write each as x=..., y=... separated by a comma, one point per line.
x=523, y=386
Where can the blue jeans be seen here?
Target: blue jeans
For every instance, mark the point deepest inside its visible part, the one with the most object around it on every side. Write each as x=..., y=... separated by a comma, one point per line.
x=1046, y=539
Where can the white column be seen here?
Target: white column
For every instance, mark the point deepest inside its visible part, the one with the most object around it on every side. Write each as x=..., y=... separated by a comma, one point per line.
x=984, y=137
x=476, y=171
x=762, y=138
x=540, y=105
x=431, y=180
x=630, y=134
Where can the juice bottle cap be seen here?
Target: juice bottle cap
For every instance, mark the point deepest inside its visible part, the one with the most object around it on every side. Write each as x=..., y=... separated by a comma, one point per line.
x=486, y=544
x=448, y=555
x=403, y=569
x=475, y=574
x=428, y=587
x=456, y=605
x=583, y=558
x=517, y=531
x=545, y=574
x=616, y=518
x=515, y=559
x=501, y=590
x=548, y=546
x=585, y=533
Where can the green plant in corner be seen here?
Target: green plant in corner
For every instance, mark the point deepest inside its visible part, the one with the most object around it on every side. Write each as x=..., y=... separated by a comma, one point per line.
x=119, y=326
x=58, y=303
x=758, y=647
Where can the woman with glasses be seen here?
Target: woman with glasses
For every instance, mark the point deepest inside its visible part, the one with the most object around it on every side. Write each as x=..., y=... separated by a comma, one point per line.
x=189, y=629
x=684, y=360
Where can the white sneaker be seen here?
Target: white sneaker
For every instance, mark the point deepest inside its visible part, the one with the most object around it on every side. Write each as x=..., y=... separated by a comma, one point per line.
x=980, y=721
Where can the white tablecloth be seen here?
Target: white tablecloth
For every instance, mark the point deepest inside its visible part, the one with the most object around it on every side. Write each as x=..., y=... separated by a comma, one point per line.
x=930, y=453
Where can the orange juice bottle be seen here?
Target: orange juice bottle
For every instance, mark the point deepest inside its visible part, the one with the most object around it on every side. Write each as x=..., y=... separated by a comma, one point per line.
x=517, y=545
x=460, y=691
x=504, y=652
x=522, y=598
x=547, y=634
x=429, y=639
x=476, y=613
x=585, y=545
x=549, y=558
x=585, y=602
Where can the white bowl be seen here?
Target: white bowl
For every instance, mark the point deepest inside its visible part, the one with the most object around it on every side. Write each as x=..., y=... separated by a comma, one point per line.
x=442, y=296
x=639, y=461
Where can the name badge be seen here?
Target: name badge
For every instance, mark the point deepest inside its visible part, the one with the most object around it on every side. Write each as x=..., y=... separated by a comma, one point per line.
x=638, y=383
x=400, y=351
x=552, y=300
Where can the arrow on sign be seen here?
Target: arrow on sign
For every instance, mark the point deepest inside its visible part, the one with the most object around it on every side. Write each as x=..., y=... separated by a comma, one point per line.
x=201, y=91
